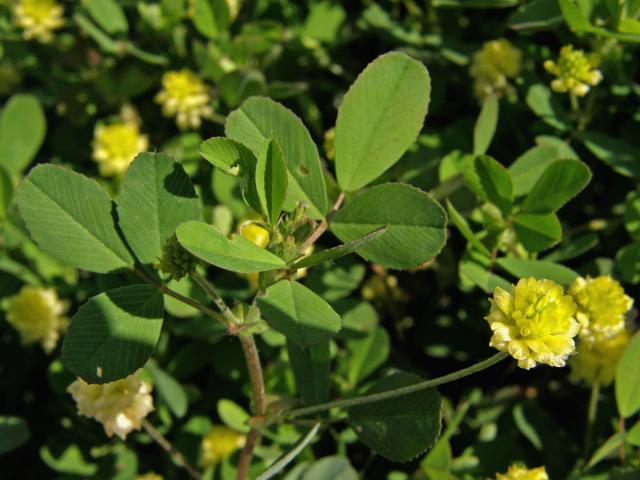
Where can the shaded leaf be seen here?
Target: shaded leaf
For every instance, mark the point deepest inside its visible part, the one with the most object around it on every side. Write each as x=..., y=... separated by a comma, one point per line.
x=538, y=269
x=537, y=232
x=271, y=180
x=485, y=126
x=260, y=119
x=298, y=313
x=14, y=431
x=155, y=197
x=560, y=182
x=415, y=225
x=311, y=367
x=114, y=333
x=401, y=428
x=628, y=379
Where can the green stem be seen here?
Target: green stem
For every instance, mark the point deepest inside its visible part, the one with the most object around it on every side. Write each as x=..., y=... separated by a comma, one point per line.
x=377, y=397
x=574, y=102
x=186, y=300
x=168, y=447
x=230, y=318
x=592, y=414
x=448, y=187
x=256, y=378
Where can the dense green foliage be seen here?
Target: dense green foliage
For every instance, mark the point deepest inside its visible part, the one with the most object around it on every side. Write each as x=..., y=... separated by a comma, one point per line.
x=277, y=224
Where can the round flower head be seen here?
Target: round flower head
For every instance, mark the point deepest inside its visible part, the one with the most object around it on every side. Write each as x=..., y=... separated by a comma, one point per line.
x=595, y=362
x=218, y=444
x=38, y=19
x=493, y=65
x=149, y=476
x=184, y=96
x=120, y=406
x=38, y=315
x=116, y=145
x=576, y=73
x=534, y=323
x=602, y=305
x=516, y=472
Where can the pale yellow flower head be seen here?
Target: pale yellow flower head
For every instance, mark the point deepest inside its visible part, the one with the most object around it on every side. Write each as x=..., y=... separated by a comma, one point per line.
x=116, y=145
x=120, y=406
x=595, y=362
x=184, y=96
x=516, y=472
x=534, y=323
x=218, y=444
x=492, y=67
x=149, y=476
x=575, y=72
x=38, y=19
x=602, y=305
x=38, y=316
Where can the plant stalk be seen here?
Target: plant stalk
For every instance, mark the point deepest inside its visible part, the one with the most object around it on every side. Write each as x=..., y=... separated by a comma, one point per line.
x=378, y=397
x=167, y=446
x=317, y=233
x=186, y=300
x=254, y=367
x=230, y=318
x=592, y=414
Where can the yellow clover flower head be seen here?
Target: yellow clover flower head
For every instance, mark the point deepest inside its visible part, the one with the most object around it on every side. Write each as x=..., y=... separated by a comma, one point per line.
x=575, y=71
x=38, y=316
x=534, y=323
x=184, y=96
x=493, y=65
x=602, y=305
x=595, y=362
x=218, y=444
x=516, y=472
x=120, y=406
x=38, y=19
x=149, y=476
x=116, y=145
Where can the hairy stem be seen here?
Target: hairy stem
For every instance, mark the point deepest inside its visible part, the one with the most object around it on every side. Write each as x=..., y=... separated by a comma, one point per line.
x=317, y=233
x=377, y=397
x=254, y=367
x=448, y=187
x=186, y=300
x=592, y=414
x=217, y=299
x=166, y=445
x=259, y=405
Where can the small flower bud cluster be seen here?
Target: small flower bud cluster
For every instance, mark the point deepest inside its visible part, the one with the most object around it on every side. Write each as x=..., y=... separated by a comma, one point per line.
x=38, y=19
x=184, y=96
x=120, y=406
x=493, y=66
x=175, y=260
x=575, y=71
